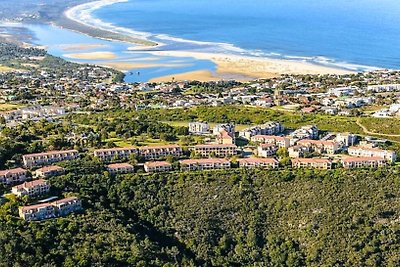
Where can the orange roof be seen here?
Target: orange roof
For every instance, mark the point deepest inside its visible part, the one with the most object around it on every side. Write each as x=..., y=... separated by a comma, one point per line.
x=360, y=159
x=64, y=200
x=258, y=160
x=158, y=164
x=311, y=160
x=203, y=161
x=12, y=171
x=115, y=149
x=50, y=168
x=31, y=184
x=316, y=142
x=55, y=152
x=119, y=165
x=159, y=147
x=373, y=149
x=37, y=206
x=272, y=137
x=216, y=146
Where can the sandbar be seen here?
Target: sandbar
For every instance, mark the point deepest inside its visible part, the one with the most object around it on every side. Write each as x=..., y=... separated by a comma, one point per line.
x=199, y=75
x=104, y=55
x=79, y=47
x=126, y=66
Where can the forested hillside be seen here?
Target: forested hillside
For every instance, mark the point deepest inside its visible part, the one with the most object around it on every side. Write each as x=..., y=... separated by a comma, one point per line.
x=215, y=218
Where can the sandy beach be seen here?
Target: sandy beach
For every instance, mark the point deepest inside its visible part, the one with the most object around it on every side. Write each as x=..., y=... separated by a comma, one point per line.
x=126, y=66
x=100, y=55
x=199, y=75
x=80, y=47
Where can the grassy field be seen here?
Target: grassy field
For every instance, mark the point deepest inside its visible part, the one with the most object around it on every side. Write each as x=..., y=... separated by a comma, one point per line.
x=5, y=69
x=6, y=107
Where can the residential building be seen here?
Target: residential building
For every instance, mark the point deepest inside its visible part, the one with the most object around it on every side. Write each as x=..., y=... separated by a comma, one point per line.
x=49, y=171
x=31, y=189
x=199, y=128
x=157, y=166
x=267, y=150
x=362, y=151
x=220, y=151
x=225, y=138
x=298, y=151
x=306, y=132
x=204, y=164
x=363, y=162
x=318, y=146
x=229, y=127
x=67, y=205
x=110, y=154
x=120, y=168
x=317, y=163
x=342, y=91
x=384, y=88
x=281, y=142
x=48, y=158
x=270, y=128
x=158, y=152
x=258, y=163
x=37, y=212
x=13, y=176
x=346, y=139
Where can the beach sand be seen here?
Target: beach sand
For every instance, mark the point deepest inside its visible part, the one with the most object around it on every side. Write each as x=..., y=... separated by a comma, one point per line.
x=104, y=55
x=254, y=67
x=199, y=75
x=126, y=66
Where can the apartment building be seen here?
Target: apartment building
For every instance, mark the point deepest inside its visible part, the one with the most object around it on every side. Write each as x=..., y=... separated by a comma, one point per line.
x=346, y=139
x=362, y=151
x=318, y=146
x=270, y=128
x=298, y=151
x=110, y=154
x=157, y=166
x=13, y=176
x=306, y=132
x=48, y=158
x=225, y=138
x=37, y=212
x=281, y=142
x=67, y=205
x=267, y=150
x=204, y=164
x=312, y=163
x=158, y=152
x=229, y=127
x=363, y=162
x=258, y=163
x=120, y=168
x=220, y=151
x=31, y=189
x=199, y=128
x=49, y=171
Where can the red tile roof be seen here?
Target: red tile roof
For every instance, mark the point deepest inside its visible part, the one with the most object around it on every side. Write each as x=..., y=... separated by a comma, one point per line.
x=203, y=161
x=50, y=169
x=360, y=159
x=258, y=160
x=55, y=152
x=31, y=184
x=119, y=165
x=12, y=171
x=158, y=164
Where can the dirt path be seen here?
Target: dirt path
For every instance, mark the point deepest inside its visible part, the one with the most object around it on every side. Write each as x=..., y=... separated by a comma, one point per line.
x=366, y=131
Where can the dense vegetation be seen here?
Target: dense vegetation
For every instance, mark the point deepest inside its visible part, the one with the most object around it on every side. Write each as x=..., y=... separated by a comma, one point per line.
x=216, y=218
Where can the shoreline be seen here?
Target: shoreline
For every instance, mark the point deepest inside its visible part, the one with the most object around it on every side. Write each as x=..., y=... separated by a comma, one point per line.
x=230, y=64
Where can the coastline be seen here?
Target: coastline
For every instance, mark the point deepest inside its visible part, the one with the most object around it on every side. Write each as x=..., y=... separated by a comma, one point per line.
x=229, y=64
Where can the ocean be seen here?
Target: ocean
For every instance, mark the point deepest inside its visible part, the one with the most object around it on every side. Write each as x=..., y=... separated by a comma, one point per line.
x=351, y=34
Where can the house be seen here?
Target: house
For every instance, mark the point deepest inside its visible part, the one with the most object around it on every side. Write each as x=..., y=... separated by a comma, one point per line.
x=31, y=189
x=317, y=163
x=199, y=128
x=48, y=158
x=225, y=138
x=229, y=127
x=363, y=162
x=281, y=142
x=363, y=151
x=267, y=150
x=298, y=151
x=67, y=205
x=270, y=128
x=49, y=171
x=204, y=164
x=306, y=132
x=346, y=139
x=37, y=212
x=158, y=152
x=220, y=151
x=120, y=168
x=157, y=166
x=110, y=154
x=13, y=176
x=318, y=146
x=258, y=163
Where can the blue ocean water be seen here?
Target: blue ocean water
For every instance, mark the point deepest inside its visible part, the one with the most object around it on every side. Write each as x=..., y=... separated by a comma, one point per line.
x=347, y=33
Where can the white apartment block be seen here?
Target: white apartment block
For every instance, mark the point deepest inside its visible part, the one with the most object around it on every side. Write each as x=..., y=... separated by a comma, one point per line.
x=306, y=132
x=267, y=150
x=384, y=88
x=67, y=205
x=270, y=128
x=258, y=163
x=48, y=158
x=49, y=171
x=360, y=151
x=346, y=139
x=110, y=154
x=281, y=142
x=120, y=168
x=157, y=166
x=220, y=151
x=31, y=189
x=363, y=162
x=158, y=152
x=322, y=147
x=13, y=176
x=229, y=127
x=199, y=128
x=204, y=164
x=316, y=163
x=298, y=151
